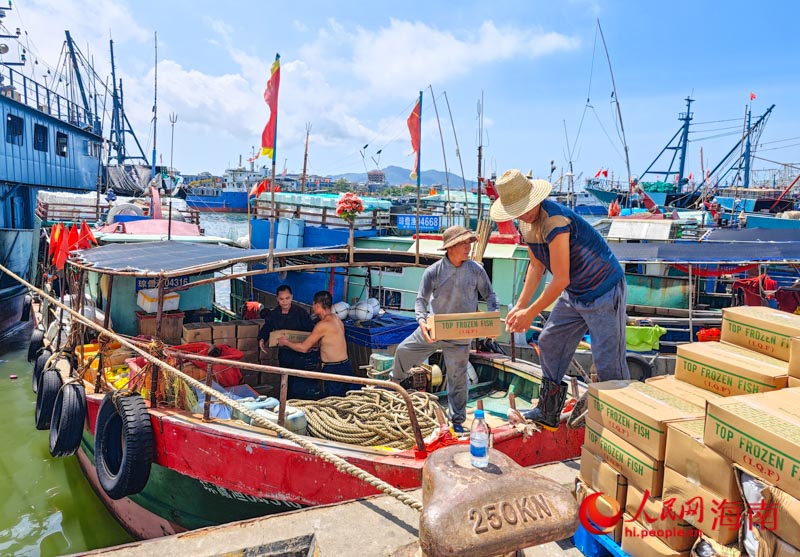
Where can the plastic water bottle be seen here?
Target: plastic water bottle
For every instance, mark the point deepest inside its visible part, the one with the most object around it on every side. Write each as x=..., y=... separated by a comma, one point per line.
x=479, y=441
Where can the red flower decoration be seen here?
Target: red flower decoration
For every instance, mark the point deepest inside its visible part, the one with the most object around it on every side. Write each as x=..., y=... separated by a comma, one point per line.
x=349, y=206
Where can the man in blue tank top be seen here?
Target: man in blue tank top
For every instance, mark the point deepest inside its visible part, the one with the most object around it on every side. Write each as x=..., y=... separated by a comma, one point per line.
x=587, y=286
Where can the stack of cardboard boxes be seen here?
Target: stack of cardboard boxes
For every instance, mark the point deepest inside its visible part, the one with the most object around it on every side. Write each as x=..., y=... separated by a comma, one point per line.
x=675, y=442
x=242, y=335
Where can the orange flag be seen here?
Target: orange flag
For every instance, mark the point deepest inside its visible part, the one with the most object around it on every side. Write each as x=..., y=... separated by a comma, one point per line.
x=414, y=123
x=86, y=238
x=259, y=188
x=55, y=237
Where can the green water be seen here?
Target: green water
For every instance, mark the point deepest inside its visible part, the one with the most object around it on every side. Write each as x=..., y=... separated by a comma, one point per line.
x=46, y=505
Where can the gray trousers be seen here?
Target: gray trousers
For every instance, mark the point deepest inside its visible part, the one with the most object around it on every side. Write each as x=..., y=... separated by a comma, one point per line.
x=413, y=351
x=569, y=320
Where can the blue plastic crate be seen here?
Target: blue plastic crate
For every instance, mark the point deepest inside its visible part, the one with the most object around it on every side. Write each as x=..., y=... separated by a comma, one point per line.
x=596, y=546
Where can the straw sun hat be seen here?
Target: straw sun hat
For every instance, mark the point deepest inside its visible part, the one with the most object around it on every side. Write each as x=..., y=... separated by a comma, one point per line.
x=457, y=234
x=518, y=195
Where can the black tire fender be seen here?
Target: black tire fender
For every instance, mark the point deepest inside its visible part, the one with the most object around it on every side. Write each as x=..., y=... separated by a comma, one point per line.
x=49, y=384
x=38, y=368
x=27, y=302
x=66, y=425
x=37, y=341
x=123, y=444
x=639, y=367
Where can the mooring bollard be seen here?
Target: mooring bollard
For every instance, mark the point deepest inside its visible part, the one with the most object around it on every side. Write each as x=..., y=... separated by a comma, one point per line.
x=489, y=511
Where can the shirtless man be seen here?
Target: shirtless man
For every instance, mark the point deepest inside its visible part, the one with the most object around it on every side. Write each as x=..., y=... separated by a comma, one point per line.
x=329, y=334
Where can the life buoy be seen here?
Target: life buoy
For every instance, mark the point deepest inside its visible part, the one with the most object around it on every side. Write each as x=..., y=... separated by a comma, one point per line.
x=49, y=384
x=37, y=341
x=38, y=368
x=123, y=444
x=66, y=425
x=123, y=209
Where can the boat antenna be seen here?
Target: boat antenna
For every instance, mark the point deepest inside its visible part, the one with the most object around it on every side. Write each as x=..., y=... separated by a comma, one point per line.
x=155, y=105
x=458, y=151
x=619, y=111
x=449, y=211
x=570, y=175
x=173, y=117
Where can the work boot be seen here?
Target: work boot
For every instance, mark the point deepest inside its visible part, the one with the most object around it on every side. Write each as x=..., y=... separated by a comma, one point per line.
x=551, y=400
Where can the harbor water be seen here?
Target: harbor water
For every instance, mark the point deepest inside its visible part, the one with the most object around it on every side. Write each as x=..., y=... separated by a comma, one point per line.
x=47, y=507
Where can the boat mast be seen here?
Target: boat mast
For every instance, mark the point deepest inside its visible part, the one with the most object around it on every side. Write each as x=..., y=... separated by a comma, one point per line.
x=449, y=211
x=480, y=153
x=747, y=155
x=155, y=105
x=571, y=186
x=619, y=111
x=120, y=125
x=305, y=160
x=458, y=152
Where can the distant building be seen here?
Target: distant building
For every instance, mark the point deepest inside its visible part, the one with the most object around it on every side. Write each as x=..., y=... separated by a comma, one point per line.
x=376, y=180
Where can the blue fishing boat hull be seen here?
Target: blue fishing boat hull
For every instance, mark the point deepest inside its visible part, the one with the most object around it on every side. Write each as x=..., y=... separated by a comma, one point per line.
x=224, y=202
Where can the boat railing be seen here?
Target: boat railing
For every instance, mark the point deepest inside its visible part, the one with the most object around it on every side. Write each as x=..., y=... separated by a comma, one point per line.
x=323, y=216
x=33, y=94
x=50, y=212
x=285, y=373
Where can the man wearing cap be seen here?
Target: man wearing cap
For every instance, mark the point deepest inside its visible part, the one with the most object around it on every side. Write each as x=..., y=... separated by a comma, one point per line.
x=587, y=286
x=451, y=285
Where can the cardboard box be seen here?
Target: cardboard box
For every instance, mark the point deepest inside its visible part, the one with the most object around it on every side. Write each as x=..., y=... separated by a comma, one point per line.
x=453, y=326
x=249, y=356
x=689, y=457
x=247, y=344
x=247, y=329
x=229, y=341
x=729, y=370
x=601, y=477
x=639, y=412
x=649, y=513
x=716, y=517
x=769, y=544
x=688, y=392
x=778, y=511
x=294, y=336
x=223, y=329
x=637, y=542
x=605, y=504
x=641, y=469
x=761, y=433
x=794, y=382
x=762, y=329
x=196, y=332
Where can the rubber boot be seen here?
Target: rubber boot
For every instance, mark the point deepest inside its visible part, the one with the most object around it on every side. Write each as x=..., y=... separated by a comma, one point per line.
x=551, y=401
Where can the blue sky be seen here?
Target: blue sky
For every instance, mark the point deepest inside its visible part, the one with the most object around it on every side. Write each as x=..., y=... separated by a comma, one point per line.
x=352, y=70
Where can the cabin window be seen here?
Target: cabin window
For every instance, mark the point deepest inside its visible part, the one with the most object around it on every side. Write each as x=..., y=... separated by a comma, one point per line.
x=61, y=144
x=40, y=137
x=92, y=149
x=14, y=127
x=387, y=297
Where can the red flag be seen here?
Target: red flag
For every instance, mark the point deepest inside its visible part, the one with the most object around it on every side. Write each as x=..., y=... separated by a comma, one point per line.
x=691, y=176
x=55, y=236
x=752, y=96
x=271, y=98
x=605, y=173
x=62, y=237
x=599, y=172
x=73, y=237
x=86, y=238
x=414, y=128
x=259, y=188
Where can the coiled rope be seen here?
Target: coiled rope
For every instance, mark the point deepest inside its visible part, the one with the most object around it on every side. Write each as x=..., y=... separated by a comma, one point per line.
x=340, y=464
x=369, y=418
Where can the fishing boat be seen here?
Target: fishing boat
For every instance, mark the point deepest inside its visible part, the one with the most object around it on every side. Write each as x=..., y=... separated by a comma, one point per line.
x=193, y=469
x=52, y=142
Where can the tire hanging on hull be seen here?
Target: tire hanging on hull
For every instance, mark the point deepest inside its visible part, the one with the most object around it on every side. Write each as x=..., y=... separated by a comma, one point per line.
x=38, y=368
x=37, y=341
x=123, y=444
x=66, y=425
x=49, y=384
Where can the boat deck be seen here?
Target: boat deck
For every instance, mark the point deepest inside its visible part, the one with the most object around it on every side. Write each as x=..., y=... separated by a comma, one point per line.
x=376, y=526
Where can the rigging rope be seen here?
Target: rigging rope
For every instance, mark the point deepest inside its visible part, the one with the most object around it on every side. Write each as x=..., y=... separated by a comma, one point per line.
x=340, y=464
x=369, y=418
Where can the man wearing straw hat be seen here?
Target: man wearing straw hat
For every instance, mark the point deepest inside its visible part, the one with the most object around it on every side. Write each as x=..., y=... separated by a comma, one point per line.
x=451, y=285
x=587, y=286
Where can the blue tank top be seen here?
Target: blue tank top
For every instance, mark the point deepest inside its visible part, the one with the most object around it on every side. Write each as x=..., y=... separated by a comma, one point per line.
x=593, y=268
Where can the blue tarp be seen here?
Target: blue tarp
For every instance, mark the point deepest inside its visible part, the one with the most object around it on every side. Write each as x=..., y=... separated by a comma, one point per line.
x=380, y=332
